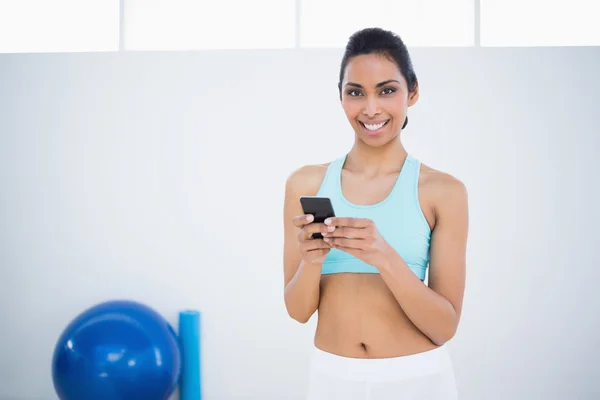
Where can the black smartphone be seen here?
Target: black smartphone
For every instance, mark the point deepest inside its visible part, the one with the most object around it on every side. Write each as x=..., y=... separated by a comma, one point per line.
x=320, y=207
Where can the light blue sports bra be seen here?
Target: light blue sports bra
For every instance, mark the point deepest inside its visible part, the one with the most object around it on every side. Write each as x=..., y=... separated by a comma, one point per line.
x=398, y=218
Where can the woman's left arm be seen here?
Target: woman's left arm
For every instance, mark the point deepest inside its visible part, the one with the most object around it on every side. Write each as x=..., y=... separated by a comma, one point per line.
x=435, y=308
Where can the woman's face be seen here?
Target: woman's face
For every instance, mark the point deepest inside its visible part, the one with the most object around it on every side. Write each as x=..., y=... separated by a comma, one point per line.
x=375, y=98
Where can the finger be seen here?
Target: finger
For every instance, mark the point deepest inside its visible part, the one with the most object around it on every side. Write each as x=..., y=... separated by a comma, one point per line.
x=308, y=230
x=352, y=251
x=302, y=220
x=349, y=222
x=315, y=244
x=344, y=242
x=345, y=231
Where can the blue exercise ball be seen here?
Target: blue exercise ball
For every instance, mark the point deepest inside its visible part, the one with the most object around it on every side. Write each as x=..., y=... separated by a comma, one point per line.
x=117, y=350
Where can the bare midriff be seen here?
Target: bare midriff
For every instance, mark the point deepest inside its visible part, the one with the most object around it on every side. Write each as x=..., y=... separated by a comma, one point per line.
x=359, y=317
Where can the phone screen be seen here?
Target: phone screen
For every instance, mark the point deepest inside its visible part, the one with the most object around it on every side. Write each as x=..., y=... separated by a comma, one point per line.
x=320, y=207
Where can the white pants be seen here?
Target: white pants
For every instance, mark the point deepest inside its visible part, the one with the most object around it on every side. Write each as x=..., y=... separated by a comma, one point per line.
x=423, y=376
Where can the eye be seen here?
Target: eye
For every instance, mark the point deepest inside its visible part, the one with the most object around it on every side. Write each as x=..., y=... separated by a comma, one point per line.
x=388, y=91
x=353, y=93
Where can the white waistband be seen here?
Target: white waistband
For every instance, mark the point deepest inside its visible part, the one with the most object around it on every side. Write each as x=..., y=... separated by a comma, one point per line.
x=381, y=369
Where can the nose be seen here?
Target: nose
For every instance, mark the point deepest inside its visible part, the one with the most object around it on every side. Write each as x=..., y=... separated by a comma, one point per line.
x=371, y=107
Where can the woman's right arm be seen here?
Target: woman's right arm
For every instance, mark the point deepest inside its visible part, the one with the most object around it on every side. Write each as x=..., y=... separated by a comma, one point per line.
x=303, y=256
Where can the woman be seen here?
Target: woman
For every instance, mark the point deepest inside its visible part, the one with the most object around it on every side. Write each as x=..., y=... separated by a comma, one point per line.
x=381, y=330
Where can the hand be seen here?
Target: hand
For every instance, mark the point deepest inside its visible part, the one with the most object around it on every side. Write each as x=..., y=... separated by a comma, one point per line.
x=314, y=251
x=358, y=237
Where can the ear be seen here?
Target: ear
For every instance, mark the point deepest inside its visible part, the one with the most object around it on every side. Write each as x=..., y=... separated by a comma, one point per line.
x=414, y=95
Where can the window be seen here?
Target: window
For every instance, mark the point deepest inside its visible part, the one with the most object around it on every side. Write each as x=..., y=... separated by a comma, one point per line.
x=40, y=26
x=201, y=25
x=329, y=23
x=540, y=23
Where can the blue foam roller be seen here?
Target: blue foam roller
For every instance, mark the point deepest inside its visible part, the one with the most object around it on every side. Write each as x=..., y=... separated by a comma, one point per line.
x=189, y=336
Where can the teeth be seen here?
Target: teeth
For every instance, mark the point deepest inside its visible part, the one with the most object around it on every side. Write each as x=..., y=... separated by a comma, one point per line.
x=374, y=127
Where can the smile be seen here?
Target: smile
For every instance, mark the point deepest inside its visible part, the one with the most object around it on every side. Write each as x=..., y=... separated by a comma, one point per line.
x=373, y=128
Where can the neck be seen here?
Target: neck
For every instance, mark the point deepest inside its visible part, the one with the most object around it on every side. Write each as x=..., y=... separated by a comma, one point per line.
x=385, y=158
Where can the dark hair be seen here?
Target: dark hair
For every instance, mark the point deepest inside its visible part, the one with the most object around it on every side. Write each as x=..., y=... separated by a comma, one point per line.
x=384, y=42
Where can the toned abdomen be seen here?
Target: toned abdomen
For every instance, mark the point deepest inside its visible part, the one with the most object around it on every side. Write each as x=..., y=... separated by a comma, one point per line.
x=358, y=316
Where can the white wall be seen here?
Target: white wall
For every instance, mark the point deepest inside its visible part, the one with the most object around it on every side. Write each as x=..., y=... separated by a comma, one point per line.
x=159, y=177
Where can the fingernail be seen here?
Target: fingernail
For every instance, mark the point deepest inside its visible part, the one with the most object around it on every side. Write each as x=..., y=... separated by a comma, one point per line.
x=331, y=228
x=310, y=217
x=328, y=221
x=326, y=239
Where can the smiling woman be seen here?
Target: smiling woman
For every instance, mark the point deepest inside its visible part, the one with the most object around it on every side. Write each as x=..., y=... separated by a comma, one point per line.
x=360, y=101
x=381, y=330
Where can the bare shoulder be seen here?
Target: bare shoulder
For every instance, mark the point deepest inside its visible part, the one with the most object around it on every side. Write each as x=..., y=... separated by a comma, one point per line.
x=443, y=190
x=440, y=182
x=306, y=180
